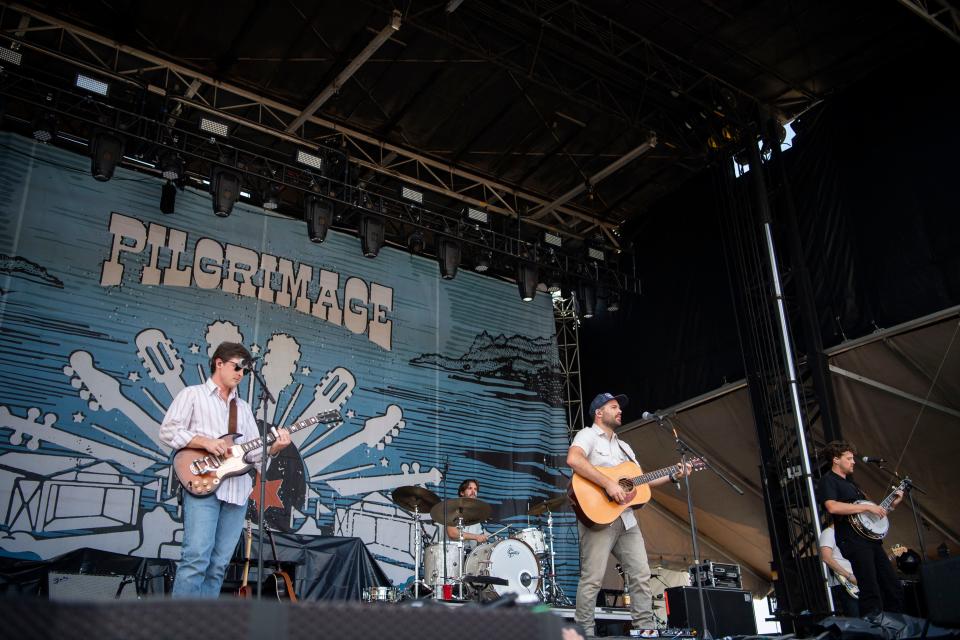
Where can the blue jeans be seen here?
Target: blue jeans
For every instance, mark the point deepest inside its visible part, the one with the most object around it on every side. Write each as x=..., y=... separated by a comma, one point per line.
x=211, y=529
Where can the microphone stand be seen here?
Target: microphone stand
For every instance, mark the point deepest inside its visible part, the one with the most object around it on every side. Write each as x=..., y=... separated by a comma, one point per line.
x=914, y=506
x=684, y=449
x=265, y=397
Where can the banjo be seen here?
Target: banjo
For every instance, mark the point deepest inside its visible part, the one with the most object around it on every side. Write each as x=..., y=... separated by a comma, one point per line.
x=872, y=526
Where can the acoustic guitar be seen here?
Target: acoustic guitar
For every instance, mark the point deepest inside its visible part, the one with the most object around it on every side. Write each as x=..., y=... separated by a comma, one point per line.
x=201, y=472
x=282, y=583
x=594, y=507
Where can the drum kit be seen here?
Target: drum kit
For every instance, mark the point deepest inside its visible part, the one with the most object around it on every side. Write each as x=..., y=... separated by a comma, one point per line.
x=521, y=561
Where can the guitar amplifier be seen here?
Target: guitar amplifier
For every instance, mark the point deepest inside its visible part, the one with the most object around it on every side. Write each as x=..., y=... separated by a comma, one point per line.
x=90, y=587
x=719, y=575
x=728, y=612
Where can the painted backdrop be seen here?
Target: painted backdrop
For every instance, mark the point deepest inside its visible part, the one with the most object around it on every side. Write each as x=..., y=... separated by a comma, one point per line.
x=108, y=308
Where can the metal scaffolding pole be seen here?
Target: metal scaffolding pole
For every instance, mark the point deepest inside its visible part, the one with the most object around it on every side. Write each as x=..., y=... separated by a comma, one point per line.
x=568, y=347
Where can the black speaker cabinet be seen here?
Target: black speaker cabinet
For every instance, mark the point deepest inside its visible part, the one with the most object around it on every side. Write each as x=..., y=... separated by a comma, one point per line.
x=941, y=589
x=729, y=611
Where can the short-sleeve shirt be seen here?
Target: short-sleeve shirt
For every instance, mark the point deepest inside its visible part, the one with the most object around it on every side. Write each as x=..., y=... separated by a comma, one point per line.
x=835, y=487
x=828, y=539
x=602, y=451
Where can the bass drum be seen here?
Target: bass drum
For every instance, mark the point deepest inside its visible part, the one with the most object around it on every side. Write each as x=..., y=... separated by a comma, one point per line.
x=510, y=559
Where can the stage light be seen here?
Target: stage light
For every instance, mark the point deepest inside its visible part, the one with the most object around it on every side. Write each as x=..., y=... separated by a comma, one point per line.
x=595, y=254
x=11, y=56
x=271, y=199
x=587, y=297
x=215, y=127
x=168, y=198
x=410, y=194
x=319, y=215
x=45, y=127
x=372, y=230
x=527, y=277
x=416, y=242
x=225, y=188
x=448, y=256
x=613, y=301
x=92, y=85
x=315, y=162
x=554, y=282
x=171, y=166
x=552, y=239
x=483, y=262
x=106, y=149
x=478, y=215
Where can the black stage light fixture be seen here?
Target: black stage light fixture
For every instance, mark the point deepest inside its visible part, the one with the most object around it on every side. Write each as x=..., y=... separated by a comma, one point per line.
x=225, y=188
x=45, y=126
x=448, y=257
x=554, y=281
x=527, y=277
x=587, y=296
x=319, y=215
x=171, y=166
x=416, y=242
x=372, y=234
x=168, y=197
x=106, y=150
x=271, y=198
x=613, y=301
x=483, y=261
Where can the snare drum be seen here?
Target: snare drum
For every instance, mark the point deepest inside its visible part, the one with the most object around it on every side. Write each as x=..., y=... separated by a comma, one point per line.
x=534, y=539
x=381, y=594
x=509, y=559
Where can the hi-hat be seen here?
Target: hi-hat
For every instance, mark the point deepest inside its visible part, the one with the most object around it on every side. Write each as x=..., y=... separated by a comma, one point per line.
x=415, y=498
x=470, y=509
x=555, y=503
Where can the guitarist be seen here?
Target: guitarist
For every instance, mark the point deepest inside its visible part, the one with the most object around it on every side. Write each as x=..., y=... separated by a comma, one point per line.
x=840, y=567
x=879, y=588
x=599, y=446
x=212, y=524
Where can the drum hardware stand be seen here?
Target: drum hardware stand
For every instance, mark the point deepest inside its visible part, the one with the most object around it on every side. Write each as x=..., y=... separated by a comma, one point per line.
x=460, y=553
x=556, y=595
x=418, y=552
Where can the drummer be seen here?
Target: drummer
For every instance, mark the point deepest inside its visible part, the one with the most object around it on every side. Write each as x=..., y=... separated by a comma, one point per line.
x=472, y=534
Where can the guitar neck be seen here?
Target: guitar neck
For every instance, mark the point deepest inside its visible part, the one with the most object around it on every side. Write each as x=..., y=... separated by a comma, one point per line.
x=257, y=443
x=653, y=475
x=893, y=495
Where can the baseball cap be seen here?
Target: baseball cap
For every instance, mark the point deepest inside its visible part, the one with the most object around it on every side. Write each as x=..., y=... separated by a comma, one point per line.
x=604, y=398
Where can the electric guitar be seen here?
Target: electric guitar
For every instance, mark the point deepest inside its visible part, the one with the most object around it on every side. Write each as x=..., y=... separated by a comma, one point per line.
x=594, y=507
x=851, y=588
x=870, y=525
x=200, y=472
x=245, y=591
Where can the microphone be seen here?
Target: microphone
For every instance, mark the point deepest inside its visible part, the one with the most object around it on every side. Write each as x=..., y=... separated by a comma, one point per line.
x=872, y=459
x=647, y=416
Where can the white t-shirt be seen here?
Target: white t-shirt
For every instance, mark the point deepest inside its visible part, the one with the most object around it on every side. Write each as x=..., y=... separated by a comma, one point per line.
x=828, y=538
x=602, y=451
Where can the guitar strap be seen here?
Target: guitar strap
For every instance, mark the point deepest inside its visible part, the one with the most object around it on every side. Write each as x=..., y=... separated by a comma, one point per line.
x=232, y=420
x=627, y=453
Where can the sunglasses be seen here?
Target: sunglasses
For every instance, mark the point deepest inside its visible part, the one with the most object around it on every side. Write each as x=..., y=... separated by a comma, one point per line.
x=237, y=366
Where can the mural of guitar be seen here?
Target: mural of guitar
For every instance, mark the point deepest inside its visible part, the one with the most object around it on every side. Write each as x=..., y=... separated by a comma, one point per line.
x=594, y=507
x=200, y=472
x=377, y=432
x=161, y=360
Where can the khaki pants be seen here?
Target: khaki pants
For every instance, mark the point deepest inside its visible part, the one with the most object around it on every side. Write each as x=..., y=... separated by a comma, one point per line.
x=627, y=547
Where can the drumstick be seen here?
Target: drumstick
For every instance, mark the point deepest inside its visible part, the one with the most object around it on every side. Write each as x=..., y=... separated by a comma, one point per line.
x=490, y=535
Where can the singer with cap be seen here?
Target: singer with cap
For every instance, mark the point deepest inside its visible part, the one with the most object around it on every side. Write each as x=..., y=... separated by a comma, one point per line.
x=212, y=524
x=599, y=446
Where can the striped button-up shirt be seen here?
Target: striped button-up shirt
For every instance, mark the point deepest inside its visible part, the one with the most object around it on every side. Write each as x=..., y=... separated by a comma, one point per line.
x=199, y=410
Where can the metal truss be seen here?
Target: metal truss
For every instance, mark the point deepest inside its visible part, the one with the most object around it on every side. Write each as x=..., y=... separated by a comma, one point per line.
x=939, y=14
x=255, y=114
x=568, y=347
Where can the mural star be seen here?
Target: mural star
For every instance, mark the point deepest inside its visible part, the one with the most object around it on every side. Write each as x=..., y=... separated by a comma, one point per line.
x=133, y=376
x=255, y=349
x=384, y=462
x=306, y=371
x=271, y=493
x=351, y=413
x=194, y=348
x=78, y=417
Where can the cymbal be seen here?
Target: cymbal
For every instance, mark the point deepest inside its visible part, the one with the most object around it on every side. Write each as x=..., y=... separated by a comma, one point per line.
x=555, y=503
x=413, y=498
x=471, y=509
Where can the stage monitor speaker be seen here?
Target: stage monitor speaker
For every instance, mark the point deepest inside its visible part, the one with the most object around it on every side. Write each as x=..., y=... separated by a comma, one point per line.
x=90, y=587
x=729, y=611
x=243, y=619
x=941, y=590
